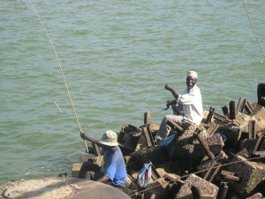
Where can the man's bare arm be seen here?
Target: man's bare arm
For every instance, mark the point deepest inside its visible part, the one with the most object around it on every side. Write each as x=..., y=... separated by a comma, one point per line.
x=175, y=95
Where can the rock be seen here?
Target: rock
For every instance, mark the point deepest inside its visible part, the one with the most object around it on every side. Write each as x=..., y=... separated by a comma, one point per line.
x=76, y=168
x=157, y=193
x=187, y=145
x=204, y=188
x=255, y=196
x=243, y=120
x=60, y=188
x=250, y=173
x=156, y=155
x=250, y=144
x=260, y=118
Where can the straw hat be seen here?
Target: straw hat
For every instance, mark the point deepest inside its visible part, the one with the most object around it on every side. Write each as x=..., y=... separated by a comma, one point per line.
x=109, y=138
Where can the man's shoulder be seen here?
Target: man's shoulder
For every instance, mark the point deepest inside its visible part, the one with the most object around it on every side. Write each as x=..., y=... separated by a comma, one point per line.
x=117, y=151
x=196, y=89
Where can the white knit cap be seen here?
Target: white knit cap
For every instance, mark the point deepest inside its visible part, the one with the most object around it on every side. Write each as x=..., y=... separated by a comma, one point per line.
x=192, y=74
x=109, y=138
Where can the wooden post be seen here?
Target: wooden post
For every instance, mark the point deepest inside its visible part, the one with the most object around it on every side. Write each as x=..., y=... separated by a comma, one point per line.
x=147, y=118
x=252, y=129
x=176, y=126
x=204, y=145
x=249, y=108
x=211, y=130
x=232, y=108
x=212, y=171
x=220, y=118
x=148, y=137
x=258, y=143
x=223, y=191
x=225, y=110
x=261, y=94
x=240, y=105
x=228, y=175
x=210, y=115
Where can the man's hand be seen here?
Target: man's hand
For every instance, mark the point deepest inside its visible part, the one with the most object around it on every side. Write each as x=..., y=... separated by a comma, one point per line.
x=86, y=136
x=167, y=87
x=83, y=135
x=168, y=103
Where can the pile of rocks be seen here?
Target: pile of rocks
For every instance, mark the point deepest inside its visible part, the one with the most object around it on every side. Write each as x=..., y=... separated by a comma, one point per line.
x=223, y=157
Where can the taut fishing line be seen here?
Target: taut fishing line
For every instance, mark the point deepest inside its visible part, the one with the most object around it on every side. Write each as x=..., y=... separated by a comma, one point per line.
x=253, y=30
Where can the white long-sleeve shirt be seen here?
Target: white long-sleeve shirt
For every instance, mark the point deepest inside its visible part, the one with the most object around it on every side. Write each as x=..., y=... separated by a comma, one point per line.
x=191, y=102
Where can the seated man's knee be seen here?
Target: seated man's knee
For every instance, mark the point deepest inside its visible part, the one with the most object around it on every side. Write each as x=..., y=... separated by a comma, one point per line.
x=167, y=118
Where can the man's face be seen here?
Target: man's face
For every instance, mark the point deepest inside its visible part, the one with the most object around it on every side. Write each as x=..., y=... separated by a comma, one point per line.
x=190, y=82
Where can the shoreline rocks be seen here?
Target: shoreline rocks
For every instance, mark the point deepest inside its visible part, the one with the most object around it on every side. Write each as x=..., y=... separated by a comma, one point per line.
x=59, y=188
x=223, y=157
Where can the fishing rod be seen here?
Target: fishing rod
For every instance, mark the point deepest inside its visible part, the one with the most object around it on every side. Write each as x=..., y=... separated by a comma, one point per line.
x=62, y=72
x=253, y=30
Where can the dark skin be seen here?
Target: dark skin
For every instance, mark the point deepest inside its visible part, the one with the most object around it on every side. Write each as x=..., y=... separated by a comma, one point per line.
x=86, y=136
x=190, y=82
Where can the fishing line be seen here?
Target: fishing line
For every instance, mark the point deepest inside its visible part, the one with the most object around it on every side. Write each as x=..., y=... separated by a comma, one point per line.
x=61, y=69
x=58, y=106
x=253, y=29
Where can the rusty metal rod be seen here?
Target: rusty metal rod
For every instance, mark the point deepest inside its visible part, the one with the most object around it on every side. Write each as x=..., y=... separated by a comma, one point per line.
x=204, y=145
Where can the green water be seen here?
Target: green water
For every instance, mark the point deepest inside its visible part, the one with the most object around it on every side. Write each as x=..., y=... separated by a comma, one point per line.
x=116, y=56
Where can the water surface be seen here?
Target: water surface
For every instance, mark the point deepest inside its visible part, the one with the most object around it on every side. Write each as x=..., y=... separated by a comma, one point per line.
x=116, y=57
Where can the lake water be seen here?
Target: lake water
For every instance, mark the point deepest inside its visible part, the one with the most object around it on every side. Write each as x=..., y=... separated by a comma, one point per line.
x=116, y=56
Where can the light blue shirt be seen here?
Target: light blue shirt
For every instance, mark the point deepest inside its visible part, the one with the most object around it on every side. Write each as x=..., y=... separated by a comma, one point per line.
x=115, y=167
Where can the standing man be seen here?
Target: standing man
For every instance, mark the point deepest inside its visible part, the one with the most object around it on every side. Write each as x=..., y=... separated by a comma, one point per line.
x=113, y=169
x=187, y=107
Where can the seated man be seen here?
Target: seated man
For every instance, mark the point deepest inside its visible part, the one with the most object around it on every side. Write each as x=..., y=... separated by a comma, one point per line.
x=113, y=170
x=187, y=107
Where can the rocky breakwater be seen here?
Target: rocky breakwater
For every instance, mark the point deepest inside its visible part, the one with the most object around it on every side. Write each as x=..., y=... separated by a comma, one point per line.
x=224, y=157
